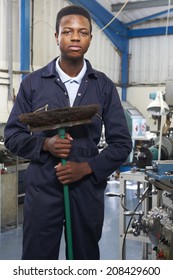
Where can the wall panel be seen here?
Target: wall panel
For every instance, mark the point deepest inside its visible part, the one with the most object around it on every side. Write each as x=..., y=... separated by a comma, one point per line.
x=150, y=57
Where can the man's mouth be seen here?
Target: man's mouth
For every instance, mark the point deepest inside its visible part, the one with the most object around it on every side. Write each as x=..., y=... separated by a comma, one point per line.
x=75, y=48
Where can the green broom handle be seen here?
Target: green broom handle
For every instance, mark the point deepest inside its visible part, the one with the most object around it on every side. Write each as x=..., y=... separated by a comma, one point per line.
x=61, y=132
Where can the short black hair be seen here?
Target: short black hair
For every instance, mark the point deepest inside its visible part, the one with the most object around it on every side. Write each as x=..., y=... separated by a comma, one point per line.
x=72, y=10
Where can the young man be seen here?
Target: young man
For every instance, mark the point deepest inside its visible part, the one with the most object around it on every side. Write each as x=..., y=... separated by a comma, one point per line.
x=68, y=80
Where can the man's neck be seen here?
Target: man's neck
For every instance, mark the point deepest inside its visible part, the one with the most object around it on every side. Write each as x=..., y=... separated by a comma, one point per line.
x=72, y=68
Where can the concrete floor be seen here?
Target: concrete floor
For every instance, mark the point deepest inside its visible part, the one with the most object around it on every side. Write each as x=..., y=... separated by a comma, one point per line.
x=11, y=239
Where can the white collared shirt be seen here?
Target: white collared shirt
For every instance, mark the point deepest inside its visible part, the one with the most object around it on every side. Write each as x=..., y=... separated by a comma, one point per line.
x=71, y=83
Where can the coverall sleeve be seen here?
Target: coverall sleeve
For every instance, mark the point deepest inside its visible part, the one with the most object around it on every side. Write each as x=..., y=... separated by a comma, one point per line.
x=117, y=135
x=18, y=138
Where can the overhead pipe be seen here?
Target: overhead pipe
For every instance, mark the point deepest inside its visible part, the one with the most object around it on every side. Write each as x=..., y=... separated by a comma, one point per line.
x=125, y=71
x=24, y=36
x=32, y=35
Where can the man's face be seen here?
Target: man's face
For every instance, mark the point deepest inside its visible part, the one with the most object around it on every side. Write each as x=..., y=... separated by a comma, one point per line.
x=74, y=36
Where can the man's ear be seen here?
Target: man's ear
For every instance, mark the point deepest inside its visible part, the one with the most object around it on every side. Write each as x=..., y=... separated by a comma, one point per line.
x=56, y=37
x=90, y=39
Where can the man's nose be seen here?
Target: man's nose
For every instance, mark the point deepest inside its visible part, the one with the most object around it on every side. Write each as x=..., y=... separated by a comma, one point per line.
x=75, y=36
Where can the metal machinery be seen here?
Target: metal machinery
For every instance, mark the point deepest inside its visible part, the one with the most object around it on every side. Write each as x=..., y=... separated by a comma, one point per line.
x=135, y=120
x=12, y=189
x=158, y=223
x=151, y=222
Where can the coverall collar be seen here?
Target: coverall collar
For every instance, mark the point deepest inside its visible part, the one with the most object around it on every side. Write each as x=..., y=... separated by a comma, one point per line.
x=50, y=70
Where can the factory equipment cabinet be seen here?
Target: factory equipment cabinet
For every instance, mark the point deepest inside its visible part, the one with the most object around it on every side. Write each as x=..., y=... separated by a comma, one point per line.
x=8, y=200
x=12, y=193
x=138, y=177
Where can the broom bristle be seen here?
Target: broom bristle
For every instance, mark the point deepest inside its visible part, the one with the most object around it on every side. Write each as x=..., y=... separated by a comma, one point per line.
x=59, y=116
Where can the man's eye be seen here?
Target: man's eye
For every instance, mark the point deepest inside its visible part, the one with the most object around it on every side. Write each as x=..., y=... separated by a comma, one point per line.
x=84, y=33
x=66, y=32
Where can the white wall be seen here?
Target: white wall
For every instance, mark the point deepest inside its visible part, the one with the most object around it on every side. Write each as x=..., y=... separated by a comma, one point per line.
x=151, y=59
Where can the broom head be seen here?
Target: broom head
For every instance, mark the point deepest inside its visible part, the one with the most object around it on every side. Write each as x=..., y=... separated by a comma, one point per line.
x=62, y=117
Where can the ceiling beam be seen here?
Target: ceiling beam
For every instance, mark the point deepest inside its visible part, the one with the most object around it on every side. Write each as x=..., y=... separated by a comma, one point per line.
x=139, y=5
x=153, y=16
x=146, y=32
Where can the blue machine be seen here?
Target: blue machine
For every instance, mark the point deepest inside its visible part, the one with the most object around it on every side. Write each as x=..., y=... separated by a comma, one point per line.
x=161, y=170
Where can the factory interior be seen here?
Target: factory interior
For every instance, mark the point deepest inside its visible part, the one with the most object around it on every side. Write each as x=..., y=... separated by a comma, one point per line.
x=132, y=44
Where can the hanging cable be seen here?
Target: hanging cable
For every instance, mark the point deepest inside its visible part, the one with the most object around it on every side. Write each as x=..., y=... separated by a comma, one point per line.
x=124, y=239
x=117, y=14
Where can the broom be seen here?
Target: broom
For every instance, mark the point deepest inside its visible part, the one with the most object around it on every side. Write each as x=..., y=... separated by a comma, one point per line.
x=60, y=119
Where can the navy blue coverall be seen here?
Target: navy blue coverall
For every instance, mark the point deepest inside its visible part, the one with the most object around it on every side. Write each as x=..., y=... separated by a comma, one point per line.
x=43, y=204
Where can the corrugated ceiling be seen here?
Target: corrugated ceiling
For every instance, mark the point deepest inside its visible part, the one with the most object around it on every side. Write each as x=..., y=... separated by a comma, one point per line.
x=137, y=10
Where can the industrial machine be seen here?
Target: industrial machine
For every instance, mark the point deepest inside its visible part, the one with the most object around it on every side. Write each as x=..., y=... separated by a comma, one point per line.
x=12, y=189
x=151, y=222
x=158, y=223
x=135, y=120
x=149, y=152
